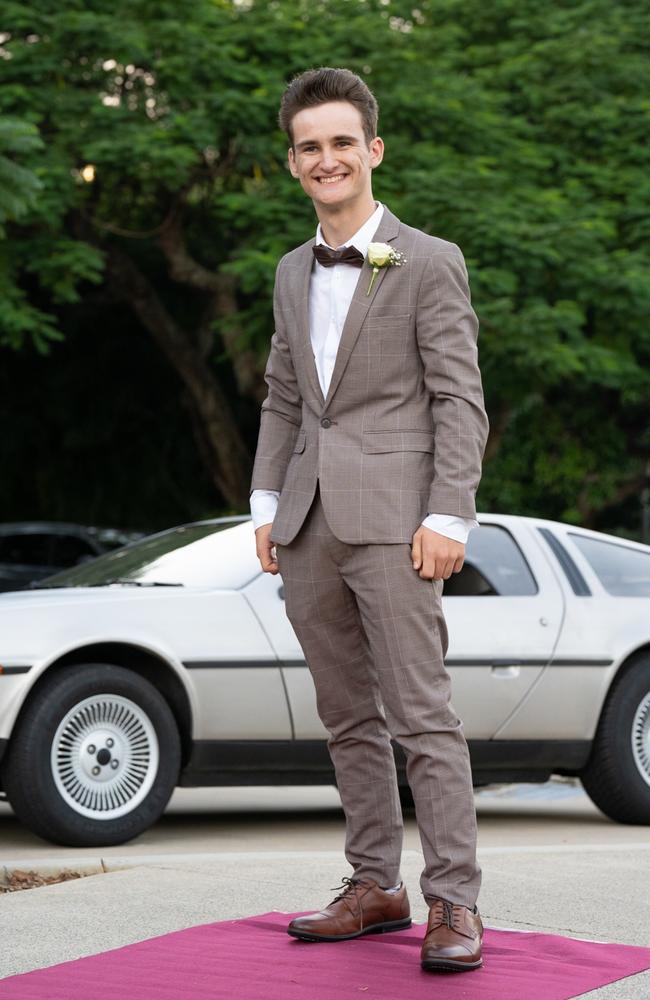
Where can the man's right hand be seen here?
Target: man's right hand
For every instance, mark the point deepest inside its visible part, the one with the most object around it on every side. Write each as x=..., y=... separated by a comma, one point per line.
x=266, y=549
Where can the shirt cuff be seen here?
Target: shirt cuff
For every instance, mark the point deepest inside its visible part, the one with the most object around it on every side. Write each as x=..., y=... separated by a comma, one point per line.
x=454, y=527
x=264, y=504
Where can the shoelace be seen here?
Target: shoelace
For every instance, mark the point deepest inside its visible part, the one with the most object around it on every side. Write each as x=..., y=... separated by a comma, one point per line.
x=447, y=915
x=348, y=885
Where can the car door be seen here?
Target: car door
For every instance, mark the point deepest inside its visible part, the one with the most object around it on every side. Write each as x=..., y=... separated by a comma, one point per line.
x=266, y=595
x=503, y=611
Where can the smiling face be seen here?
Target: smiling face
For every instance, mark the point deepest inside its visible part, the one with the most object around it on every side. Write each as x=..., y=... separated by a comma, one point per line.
x=330, y=156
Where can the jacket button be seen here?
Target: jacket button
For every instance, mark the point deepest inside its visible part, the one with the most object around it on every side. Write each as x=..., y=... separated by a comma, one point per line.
x=326, y=422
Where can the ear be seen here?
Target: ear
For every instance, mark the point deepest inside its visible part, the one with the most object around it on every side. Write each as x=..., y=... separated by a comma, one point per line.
x=292, y=162
x=376, y=151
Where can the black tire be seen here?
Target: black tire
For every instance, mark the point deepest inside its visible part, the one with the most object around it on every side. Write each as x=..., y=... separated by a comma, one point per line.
x=616, y=777
x=28, y=776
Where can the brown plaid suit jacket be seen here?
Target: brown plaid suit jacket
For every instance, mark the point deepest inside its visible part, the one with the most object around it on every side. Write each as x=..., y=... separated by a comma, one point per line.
x=403, y=428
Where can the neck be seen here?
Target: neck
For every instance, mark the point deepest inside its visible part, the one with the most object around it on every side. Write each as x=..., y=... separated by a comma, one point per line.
x=339, y=222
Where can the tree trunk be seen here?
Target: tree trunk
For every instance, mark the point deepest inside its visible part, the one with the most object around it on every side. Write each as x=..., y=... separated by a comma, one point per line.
x=222, y=301
x=229, y=463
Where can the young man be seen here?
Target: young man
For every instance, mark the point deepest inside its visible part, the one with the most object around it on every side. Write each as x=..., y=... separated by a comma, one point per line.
x=368, y=459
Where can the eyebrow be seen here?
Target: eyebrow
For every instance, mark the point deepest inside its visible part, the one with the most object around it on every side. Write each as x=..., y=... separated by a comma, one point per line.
x=313, y=142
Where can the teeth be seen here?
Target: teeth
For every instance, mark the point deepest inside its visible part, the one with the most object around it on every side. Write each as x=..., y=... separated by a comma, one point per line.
x=330, y=180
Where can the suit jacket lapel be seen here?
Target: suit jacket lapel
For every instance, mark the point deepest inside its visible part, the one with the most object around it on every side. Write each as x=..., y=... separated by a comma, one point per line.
x=387, y=230
x=303, y=279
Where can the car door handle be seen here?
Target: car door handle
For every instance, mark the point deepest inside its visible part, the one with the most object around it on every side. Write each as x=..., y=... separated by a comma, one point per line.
x=505, y=673
x=505, y=669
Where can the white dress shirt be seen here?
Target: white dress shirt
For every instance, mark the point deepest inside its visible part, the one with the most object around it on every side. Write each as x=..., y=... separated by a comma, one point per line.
x=330, y=294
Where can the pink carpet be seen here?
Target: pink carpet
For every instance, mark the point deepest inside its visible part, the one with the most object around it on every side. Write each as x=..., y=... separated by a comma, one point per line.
x=255, y=959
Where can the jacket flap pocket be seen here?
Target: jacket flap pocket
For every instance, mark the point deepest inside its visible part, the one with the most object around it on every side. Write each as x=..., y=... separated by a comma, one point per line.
x=377, y=442
x=301, y=438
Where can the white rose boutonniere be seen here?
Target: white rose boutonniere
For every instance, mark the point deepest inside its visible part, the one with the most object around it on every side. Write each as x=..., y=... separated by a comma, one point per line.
x=382, y=255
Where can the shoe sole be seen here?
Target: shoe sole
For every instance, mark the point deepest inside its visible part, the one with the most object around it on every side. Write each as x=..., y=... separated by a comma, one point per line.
x=391, y=925
x=449, y=965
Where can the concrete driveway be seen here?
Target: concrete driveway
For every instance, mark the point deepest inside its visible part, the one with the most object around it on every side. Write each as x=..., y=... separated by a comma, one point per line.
x=551, y=861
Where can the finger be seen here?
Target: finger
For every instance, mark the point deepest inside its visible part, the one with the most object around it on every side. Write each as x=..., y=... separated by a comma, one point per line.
x=269, y=564
x=440, y=569
x=416, y=551
x=448, y=569
x=428, y=566
x=427, y=563
x=458, y=565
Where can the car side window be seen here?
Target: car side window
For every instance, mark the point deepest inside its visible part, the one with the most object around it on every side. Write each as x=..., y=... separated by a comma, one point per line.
x=494, y=567
x=623, y=572
x=69, y=549
x=26, y=549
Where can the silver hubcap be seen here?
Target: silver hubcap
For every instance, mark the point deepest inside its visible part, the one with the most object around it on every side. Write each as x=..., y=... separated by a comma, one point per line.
x=641, y=738
x=104, y=756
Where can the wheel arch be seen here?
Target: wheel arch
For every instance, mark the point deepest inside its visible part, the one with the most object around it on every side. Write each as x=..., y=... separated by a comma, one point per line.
x=628, y=663
x=142, y=661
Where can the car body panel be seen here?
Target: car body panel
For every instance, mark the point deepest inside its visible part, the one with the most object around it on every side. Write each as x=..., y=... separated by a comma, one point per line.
x=240, y=699
x=194, y=631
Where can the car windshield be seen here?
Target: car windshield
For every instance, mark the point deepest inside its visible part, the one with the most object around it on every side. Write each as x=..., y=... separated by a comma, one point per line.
x=178, y=557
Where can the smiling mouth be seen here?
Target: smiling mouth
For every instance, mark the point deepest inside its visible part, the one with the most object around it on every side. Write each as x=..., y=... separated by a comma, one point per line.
x=331, y=180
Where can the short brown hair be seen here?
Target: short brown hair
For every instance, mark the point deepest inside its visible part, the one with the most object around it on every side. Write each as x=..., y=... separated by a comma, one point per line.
x=318, y=86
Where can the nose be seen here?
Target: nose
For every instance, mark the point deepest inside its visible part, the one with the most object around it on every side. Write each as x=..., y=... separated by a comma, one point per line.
x=329, y=161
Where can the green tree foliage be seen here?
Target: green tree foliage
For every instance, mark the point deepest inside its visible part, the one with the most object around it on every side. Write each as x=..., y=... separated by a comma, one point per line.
x=143, y=166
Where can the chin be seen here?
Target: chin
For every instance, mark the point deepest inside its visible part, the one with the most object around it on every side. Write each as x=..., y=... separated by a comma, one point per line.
x=335, y=197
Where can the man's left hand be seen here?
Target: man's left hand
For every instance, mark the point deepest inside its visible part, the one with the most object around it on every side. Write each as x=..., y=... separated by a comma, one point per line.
x=436, y=556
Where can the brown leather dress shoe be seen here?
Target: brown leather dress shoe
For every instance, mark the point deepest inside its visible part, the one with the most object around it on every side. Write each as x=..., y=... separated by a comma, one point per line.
x=453, y=939
x=362, y=908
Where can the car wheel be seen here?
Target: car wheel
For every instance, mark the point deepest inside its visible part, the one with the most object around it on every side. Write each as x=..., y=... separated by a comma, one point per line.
x=94, y=757
x=617, y=774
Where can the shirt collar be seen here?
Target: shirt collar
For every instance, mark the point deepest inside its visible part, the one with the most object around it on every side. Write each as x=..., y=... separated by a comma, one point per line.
x=363, y=235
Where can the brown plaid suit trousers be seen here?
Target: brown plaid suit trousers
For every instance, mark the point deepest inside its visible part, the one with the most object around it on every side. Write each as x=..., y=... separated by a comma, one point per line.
x=374, y=637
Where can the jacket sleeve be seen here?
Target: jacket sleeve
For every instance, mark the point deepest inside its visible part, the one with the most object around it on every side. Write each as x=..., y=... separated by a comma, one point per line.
x=447, y=332
x=281, y=413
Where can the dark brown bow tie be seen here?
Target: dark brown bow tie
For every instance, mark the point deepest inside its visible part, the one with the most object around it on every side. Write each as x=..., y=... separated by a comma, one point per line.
x=347, y=255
